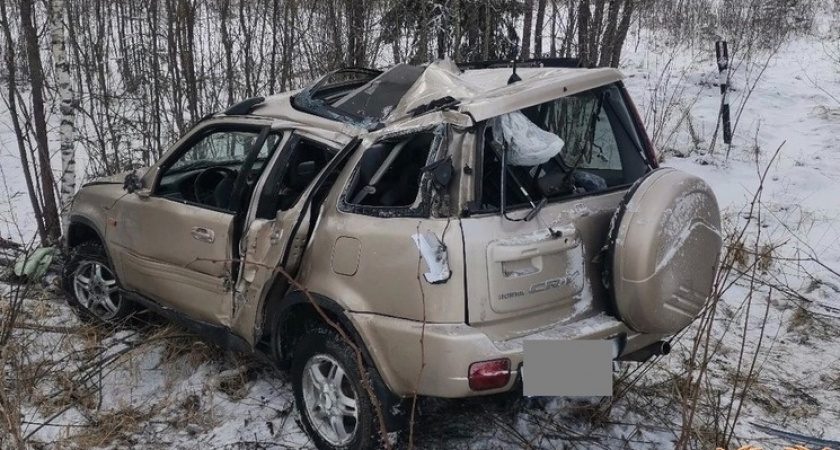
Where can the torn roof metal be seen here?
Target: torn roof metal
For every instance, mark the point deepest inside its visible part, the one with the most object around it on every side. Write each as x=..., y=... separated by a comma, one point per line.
x=538, y=85
x=400, y=93
x=485, y=93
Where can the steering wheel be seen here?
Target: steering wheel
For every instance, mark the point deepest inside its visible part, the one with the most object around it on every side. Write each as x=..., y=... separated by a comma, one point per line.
x=207, y=181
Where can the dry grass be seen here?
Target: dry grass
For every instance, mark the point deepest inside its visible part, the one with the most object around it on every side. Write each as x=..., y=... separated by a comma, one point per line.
x=801, y=319
x=765, y=257
x=57, y=369
x=109, y=427
x=738, y=256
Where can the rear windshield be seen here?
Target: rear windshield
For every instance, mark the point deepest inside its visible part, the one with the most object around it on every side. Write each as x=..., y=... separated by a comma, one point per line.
x=580, y=144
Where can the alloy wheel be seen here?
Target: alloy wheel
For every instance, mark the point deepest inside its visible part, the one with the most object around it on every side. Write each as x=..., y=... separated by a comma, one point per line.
x=330, y=400
x=96, y=289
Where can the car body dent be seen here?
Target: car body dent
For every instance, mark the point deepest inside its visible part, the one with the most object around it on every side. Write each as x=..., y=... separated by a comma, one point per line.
x=537, y=86
x=266, y=243
x=486, y=93
x=383, y=242
x=411, y=311
x=92, y=207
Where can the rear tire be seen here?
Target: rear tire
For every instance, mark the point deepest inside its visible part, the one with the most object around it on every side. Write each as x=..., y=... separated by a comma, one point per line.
x=91, y=287
x=335, y=409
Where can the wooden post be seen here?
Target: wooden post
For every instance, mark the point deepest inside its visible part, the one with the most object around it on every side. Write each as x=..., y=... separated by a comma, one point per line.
x=722, y=53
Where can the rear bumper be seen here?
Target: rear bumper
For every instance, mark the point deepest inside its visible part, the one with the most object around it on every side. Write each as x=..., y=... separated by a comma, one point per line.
x=434, y=360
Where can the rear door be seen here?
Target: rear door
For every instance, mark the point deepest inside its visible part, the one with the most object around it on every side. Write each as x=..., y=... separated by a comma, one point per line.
x=279, y=220
x=537, y=259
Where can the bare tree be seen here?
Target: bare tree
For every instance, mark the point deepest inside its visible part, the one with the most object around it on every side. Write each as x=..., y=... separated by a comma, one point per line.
x=36, y=73
x=65, y=95
x=11, y=102
x=538, y=28
x=526, y=29
x=130, y=76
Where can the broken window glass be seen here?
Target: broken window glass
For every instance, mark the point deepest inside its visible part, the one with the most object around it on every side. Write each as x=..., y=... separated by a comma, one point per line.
x=580, y=144
x=389, y=173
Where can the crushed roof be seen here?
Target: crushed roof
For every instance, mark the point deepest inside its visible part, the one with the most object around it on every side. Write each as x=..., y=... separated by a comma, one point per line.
x=396, y=94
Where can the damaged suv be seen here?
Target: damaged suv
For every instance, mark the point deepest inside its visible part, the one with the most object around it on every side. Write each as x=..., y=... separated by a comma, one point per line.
x=423, y=222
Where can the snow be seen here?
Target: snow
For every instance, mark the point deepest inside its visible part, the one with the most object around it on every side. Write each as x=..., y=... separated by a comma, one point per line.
x=15, y=209
x=796, y=386
x=799, y=211
x=179, y=384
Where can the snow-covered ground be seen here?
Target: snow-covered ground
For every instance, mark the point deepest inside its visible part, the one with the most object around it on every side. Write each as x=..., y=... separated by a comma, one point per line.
x=794, y=107
x=180, y=393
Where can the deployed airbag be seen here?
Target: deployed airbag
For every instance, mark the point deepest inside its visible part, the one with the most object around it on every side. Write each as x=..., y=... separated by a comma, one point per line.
x=528, y=144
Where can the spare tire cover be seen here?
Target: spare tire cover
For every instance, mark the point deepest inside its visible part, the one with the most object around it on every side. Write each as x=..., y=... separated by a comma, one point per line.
x=663, y=250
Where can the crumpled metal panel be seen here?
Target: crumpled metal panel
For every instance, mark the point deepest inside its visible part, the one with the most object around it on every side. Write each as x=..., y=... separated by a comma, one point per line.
x=538, y=85
x=440, y=79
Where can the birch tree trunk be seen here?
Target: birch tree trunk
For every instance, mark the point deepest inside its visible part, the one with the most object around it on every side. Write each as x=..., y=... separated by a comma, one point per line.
x=67, y=129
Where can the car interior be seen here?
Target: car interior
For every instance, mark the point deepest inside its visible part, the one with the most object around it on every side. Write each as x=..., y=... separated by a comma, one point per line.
x=208, y=179
x=287, y=182
x=389, y=173
x=598, y=154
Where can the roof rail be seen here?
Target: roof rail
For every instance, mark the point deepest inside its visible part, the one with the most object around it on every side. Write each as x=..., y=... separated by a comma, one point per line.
x=244, y=107
x=534, y=62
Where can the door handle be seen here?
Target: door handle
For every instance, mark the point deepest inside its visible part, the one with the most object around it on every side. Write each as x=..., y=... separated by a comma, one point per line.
x=508, y=253
x=203, y=234
x=274, y=238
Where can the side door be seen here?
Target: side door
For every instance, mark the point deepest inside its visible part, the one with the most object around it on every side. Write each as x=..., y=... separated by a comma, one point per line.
x=175, y=238
x=278, y=220
x=387, y=242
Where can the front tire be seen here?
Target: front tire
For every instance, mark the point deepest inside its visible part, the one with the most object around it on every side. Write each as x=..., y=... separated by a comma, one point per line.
x=335, y=409
x=91, y=287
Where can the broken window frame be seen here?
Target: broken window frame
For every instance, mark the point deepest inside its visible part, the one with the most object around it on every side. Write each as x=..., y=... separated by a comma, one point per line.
x=261, y=132
x=622, y=123
x=268, y=206
x=422, y=205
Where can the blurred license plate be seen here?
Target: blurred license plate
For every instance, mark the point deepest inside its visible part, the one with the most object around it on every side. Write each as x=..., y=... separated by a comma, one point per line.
x=576, y=368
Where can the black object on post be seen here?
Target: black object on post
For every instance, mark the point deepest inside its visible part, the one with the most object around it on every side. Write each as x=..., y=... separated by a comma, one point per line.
x=722, y=53
x=513, y=37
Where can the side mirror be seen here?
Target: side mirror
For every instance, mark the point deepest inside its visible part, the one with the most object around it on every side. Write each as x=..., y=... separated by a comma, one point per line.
x=132, y=183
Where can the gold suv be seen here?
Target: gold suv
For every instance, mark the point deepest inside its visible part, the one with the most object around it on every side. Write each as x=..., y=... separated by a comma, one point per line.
x=435, y=218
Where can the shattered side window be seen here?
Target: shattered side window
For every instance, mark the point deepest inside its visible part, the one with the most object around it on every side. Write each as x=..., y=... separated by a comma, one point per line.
x=389, y=177
x=584, y=143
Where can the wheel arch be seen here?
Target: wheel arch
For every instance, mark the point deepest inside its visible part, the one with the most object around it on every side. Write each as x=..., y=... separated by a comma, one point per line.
x=295, y=313
x=81, y=229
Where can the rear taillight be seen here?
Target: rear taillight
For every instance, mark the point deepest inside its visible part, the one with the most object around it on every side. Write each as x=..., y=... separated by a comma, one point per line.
x=492, y=374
